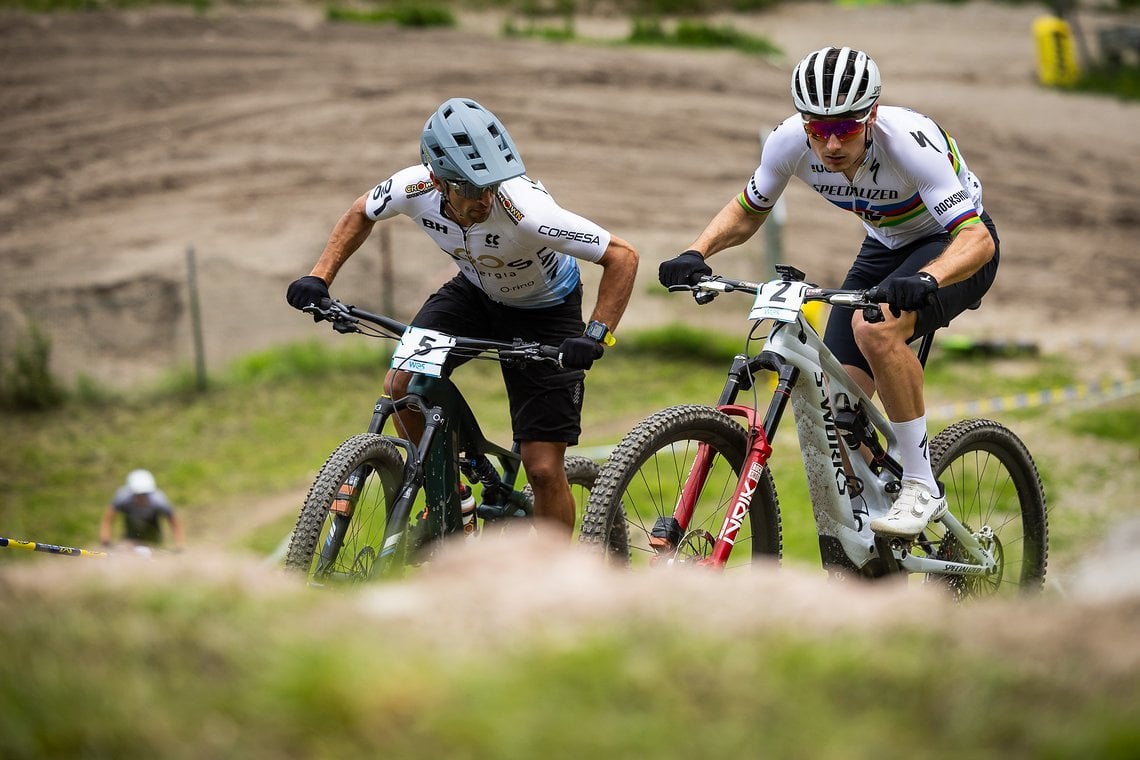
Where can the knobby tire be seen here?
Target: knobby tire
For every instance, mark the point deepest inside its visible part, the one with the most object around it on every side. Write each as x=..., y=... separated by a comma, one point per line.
x=990, y=480
x=362, y=533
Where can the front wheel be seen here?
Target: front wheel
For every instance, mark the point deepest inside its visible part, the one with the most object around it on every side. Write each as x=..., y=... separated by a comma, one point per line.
x=994, y=490
x=340, y=531
x=641, y=483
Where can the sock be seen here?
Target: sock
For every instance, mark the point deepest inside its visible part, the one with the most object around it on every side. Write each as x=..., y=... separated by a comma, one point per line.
x=915, y=452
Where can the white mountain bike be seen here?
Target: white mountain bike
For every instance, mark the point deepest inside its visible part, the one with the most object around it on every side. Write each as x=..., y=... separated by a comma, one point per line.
x=694, y=486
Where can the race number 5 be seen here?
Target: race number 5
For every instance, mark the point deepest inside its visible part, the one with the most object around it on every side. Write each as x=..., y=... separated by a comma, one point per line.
x=779, y=300
x=422, y=351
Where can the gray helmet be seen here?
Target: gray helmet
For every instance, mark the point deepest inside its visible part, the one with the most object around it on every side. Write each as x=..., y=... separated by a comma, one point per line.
x=463, y=141
x=835, y=82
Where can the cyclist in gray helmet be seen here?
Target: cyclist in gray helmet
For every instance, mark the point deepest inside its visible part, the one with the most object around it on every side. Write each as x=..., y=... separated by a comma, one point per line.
x=517, y=252
x=930, y=248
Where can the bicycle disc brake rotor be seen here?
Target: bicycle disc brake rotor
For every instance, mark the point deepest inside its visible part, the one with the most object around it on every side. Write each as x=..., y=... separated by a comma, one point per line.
x=696, y=545
x=362, y=564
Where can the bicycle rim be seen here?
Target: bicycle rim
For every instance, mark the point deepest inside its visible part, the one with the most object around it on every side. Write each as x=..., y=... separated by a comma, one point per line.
x=994, y=490
x=340, y=531
x=641, y=483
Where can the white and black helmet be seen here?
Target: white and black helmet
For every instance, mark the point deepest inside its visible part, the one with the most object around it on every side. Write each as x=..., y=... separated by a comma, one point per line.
x=835, y=82
x=463, y=141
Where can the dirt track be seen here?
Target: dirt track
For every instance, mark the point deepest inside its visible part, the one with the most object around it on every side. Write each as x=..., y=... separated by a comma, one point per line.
x=129, y=137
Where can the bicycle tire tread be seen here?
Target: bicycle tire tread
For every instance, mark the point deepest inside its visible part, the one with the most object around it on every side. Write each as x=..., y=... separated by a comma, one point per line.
x=324, y=489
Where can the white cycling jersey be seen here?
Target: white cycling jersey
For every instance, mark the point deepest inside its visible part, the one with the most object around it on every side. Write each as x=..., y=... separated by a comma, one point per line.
x=524, y=254
x=913, y=181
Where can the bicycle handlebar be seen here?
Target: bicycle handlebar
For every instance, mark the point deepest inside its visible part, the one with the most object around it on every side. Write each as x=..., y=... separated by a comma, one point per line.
x=346, y=318
x=715, y=284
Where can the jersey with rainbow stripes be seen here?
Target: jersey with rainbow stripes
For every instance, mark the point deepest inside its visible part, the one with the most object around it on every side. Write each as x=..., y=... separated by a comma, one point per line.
x=913, y=181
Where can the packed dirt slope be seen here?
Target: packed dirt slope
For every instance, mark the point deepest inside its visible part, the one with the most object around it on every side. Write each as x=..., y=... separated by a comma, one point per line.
x=130, y=137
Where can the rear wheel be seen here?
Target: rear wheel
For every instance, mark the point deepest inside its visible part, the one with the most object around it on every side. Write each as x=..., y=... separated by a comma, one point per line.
x=641, y=483
x=994, y=490
x=582, y=473
x=340, y=531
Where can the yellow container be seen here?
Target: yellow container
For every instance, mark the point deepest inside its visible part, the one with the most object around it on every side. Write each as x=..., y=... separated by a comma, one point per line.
x=1056, y=55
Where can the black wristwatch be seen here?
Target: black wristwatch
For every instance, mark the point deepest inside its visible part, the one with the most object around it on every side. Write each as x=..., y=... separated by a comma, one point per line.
x=599, y=332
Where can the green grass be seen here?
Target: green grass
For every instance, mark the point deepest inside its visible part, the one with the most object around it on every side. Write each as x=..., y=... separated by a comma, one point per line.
x=175, y=663
x=407, y=14
x=1120, y=422
x=698, y=34
x=1121, y=81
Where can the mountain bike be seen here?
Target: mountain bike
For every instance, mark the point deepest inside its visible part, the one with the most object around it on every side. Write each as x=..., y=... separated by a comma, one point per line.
x=382, y=502
x=694, y=486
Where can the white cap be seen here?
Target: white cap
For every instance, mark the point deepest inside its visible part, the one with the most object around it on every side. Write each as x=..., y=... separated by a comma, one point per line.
x=141, y=481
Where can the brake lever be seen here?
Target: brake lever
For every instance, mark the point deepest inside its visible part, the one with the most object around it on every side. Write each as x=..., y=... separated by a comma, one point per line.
x=316, y=312
x=873, y=313
x=704, y=296
x=700, y=296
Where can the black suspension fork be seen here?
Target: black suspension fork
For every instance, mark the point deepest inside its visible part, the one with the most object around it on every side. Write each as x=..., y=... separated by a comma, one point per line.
x=742, y=377
x=344, y=503
x=421, y=459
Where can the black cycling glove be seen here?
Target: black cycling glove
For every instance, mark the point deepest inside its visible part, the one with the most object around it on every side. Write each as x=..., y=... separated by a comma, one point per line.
x=579, y=352
x=908, y=293
x=684, y=269
x=308, y=290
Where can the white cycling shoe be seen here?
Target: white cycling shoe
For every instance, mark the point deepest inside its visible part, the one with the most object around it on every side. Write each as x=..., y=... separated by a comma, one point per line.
x=914, y=507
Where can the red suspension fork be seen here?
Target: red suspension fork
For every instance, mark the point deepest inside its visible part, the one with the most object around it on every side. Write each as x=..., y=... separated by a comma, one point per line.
x=750, y=473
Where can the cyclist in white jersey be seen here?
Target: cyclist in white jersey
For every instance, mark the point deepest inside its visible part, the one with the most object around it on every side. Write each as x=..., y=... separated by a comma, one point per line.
x=930, y=247
x=517, y=252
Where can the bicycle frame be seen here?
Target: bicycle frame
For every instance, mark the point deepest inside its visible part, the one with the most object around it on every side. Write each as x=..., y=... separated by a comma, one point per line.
x=450, y=429
x=815, y=383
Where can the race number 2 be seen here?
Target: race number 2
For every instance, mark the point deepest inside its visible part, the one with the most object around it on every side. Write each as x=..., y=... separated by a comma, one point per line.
x=779, y=300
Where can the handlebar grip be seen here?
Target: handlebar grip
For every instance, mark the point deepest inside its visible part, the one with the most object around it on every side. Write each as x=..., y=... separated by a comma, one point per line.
x=549, y=352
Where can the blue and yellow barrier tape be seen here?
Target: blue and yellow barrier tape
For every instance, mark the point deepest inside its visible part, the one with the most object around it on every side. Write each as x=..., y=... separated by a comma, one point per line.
x=1099, y=392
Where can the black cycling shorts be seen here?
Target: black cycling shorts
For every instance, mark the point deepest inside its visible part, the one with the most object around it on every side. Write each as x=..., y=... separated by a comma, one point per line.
x=876, y=263
x=545, y=400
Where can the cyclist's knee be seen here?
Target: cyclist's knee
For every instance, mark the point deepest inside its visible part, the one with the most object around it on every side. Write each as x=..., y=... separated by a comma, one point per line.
x=879, y=337
x=396, y=383
x=544, y=468
x=545, y=474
